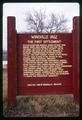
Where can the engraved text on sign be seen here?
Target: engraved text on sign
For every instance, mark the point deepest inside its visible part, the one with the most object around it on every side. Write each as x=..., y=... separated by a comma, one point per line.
x=45, y=60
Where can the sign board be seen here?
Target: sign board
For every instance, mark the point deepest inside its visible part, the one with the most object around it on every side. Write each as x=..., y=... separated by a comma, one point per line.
x=41, y=63
x=45, y=63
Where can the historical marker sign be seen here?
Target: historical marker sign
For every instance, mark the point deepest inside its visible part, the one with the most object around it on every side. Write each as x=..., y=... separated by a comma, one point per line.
x=43, y=63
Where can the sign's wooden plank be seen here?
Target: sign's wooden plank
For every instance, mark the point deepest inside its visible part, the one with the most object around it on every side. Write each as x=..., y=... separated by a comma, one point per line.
x=45, y=90
x=12, y=61
x=76, y=52
x=24, y=39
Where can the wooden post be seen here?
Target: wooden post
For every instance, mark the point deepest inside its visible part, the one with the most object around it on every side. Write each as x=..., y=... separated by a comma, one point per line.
x=12, y=61
x=76, y=81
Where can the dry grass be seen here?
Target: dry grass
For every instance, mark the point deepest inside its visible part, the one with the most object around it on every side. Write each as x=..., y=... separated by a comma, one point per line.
x=5, y=81
x=39, y=106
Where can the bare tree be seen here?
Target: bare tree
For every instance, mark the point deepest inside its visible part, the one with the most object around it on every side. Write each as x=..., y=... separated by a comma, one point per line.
x=39, y=22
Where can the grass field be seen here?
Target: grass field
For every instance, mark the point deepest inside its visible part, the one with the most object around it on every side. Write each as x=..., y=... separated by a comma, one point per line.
x=39, y=106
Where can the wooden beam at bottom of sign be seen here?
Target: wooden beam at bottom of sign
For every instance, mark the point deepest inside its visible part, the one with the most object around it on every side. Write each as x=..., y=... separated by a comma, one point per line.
x=41, y=90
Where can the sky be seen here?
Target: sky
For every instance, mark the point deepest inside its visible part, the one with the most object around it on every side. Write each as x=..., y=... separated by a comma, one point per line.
x=20, y=10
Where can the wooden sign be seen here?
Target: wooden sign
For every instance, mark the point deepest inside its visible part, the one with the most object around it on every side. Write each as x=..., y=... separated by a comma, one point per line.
x=41, y=64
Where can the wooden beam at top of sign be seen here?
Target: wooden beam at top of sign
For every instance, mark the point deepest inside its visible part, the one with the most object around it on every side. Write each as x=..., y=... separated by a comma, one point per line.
x=12, y=61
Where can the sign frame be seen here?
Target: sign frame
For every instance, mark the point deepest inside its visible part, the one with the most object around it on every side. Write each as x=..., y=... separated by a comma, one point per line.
x=13, y=61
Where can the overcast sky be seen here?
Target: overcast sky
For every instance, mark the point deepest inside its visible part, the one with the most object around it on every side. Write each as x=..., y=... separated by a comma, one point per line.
x=19, y=10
